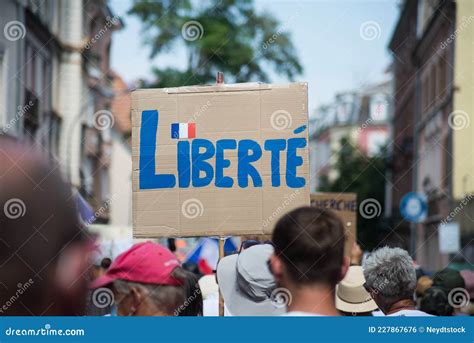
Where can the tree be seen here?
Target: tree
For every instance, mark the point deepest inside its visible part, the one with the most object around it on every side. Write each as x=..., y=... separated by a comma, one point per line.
x=364, y=176
x=219, y=35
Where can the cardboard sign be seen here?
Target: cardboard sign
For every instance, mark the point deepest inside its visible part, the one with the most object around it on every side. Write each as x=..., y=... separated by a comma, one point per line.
x=218, y=160
x=344, y=205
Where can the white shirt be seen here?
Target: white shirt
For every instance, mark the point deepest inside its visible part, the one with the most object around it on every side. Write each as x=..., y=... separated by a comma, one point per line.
x=301, y=314
x=378, y=313
x=409, y=313
x=210, y=306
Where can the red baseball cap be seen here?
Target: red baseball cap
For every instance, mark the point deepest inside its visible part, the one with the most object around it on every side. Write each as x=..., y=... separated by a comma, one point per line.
x=145, y=262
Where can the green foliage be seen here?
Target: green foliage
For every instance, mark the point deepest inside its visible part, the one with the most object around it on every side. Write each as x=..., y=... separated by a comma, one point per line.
x=235, y=39
x=364, y=176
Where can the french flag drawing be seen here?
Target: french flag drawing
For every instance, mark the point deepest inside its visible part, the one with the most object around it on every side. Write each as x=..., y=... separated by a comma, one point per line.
x=183, y=130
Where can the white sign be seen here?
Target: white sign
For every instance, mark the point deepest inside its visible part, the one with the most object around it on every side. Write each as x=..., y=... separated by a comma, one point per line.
x=449, y=238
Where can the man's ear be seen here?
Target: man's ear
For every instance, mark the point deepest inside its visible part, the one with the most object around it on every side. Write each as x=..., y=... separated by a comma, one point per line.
x=345, y=267
x=276, y=266
x=137, y=298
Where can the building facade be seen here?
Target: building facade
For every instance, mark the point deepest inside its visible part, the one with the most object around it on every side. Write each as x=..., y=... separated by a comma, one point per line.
x=402, y=145
x=362, y=117
x=433, y=107
x=55, y=86
x=119, y=226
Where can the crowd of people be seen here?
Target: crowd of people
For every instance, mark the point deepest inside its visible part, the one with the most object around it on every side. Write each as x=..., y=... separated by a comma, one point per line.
x=302, y=271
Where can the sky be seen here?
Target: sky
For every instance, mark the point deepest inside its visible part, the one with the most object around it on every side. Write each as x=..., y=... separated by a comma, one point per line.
x=342, y=44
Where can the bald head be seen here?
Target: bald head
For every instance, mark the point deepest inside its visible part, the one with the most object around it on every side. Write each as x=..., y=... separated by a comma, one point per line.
x=39, y=234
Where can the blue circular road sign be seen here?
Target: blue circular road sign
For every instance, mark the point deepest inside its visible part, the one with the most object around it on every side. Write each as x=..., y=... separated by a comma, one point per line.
x=414, y=207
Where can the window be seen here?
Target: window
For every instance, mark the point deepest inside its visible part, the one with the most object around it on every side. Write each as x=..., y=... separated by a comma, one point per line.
x=378, y=108
x=30, y=115
x=105, y=184
x=30, y=67
x=426, y=8
x=424, y=94
x=429, y=94
x=55, y=132
x=3, y=103
x=442, y=84
x=36, y=111
x=343, y=112
x=45, y=91
x=87, y=177
x=433, y=82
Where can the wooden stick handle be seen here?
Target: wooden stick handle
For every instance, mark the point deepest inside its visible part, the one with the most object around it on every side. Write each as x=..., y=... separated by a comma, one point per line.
x=221, y=255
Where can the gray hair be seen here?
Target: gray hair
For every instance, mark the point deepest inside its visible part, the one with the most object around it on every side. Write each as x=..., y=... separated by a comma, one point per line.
x=391, y=273
x=124, y=287
x=165, y=298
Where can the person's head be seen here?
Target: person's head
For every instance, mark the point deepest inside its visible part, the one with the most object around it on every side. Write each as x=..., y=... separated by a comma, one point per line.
x=105, y=263
x=191, y=267
x=247, y=285
x=390, y=276
x=435, y=301
x=422, y=285
x=448, y=279
x=146, y=280
x=351, y=297
x=309, y=249
x=43, y=250
x=100, y=268
x=144, y=299
x=468, y=277
x=193, y=304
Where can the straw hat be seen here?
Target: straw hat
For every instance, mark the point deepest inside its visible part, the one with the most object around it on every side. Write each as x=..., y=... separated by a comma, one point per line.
x=351, y=295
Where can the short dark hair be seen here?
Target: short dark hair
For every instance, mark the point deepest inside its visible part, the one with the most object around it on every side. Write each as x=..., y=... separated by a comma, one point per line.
x=310, y=242
x=193, y=304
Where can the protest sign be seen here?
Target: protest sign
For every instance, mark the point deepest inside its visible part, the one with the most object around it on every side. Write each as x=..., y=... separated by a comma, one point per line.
x=345, y=206
x=218, y=160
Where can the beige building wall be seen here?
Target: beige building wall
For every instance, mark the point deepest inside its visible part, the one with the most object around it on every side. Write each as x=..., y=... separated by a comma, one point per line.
x=119, y=204
x=120, y=184
x=463, y=114
x=70, y=95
